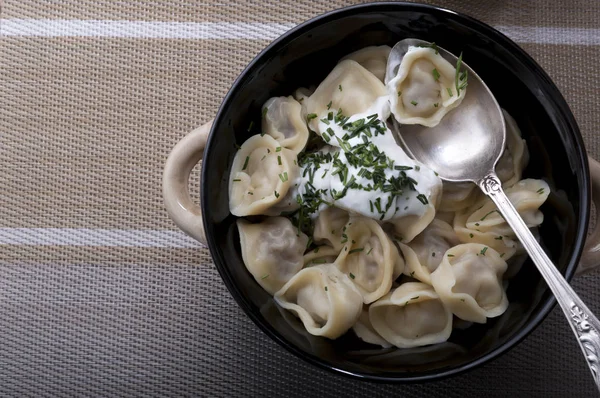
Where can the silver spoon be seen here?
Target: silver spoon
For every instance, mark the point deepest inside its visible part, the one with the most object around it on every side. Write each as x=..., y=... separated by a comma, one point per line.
x=465, y=146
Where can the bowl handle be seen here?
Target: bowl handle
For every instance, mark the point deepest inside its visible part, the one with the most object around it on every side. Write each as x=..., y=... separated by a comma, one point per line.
x=590, y=258
x=186, y=214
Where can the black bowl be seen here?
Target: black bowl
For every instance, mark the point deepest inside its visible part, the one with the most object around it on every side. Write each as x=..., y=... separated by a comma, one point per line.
x=304, y=56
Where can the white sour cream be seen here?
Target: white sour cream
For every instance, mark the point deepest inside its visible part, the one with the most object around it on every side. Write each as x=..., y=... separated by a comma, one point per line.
x=360, y=201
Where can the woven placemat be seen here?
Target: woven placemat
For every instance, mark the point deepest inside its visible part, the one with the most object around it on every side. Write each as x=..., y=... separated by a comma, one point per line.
x=99, y=292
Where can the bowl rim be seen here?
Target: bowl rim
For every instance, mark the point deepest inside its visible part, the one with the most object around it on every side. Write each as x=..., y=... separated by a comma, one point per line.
x=558, y=103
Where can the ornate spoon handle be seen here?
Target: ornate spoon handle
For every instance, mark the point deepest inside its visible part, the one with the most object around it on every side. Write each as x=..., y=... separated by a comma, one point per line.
x=584, y=324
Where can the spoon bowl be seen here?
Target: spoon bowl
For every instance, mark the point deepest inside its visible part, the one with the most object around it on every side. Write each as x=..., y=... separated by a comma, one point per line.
x=475, y=128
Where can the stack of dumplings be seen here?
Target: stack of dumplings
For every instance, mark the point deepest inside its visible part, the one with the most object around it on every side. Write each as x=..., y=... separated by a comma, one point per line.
x=400, y=282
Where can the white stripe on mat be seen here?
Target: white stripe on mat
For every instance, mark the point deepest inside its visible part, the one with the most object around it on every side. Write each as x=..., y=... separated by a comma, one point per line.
x=240, y=30
x=96, y=237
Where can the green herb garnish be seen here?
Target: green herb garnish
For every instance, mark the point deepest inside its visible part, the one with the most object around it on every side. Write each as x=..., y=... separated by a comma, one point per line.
x=360, y=249
x=436, y=74
x=246, y=162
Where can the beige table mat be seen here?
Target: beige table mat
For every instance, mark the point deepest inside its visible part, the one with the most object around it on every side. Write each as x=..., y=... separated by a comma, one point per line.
x=99, y=292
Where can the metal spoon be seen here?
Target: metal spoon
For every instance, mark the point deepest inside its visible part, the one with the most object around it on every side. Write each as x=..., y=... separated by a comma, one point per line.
x=465, y=146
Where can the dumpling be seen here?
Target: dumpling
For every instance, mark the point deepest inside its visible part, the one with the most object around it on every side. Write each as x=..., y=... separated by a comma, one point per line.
x=325, y=300
x=412, y=315
x=348, y=87
x=515, y=157
x=261, y=176
x=469, y=282
x=302, y=93
x=364, y=330
x=526, y=196
x=329, y=227
x=320, y=255
x=482, y=223
x=272, y=251
x=282, y=120
x=373, y=58
x=425, y=252
x=369, y=258
x=409, y=226
x=424, y=88
x=458, y=195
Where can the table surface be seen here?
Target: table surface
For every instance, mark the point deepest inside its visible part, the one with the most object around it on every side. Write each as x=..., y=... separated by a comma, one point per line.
x=99, y=292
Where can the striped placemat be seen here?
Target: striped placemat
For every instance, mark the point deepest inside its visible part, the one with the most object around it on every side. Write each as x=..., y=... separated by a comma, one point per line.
x=99, y=293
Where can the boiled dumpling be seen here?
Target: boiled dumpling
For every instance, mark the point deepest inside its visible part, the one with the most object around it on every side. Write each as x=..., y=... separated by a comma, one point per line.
x=409, y=226
x=469, y=282
x=369, y=257
x=526, y=196
x=261, y=176
x=329, y=227
x=482, y=223
x=282, y=120
x=457, y=196
x=365, y=331
x=424, y=88
x=425, y=252
x=412, y=315
x=320, y=255
x=272, y=251
x=325, y=300
x=373, y=58
x=515, y=157
x=302, y=93
x=349, y=89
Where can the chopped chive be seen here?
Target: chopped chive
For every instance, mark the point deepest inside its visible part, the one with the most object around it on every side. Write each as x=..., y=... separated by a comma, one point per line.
x=449, y=91
x=264, y=112
x=276, y=194
x=422, y=198
x=278, y=149
x=352, y=275
x=417, y=168
x=360, y=249
x=499, y=237
x=325, y=137
x=279, y=160
x=502, y=255
x=399, y=93
x=340, y=87
x=250, y=126
x=415, y=103
x=268, y=150
x=263, y=158
x=319, y=261
x=283, y=177
x=412, y=274
x=329, y=105
x=476, y=224
x=436, y=104
x=433, y=254
x=325, y=288
x=436, y=74
x=402, y=168
x=540, y=191
x=250, y=193
x=236, y=179
x=484, y=217
x=450, y=255
x=325, y=121
x=470, y=235
x=463, y=300
x=370, y=250
x=311, y=116
x=246, y=162
x=482, y=252
x=265, y=276
x=414, y=298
